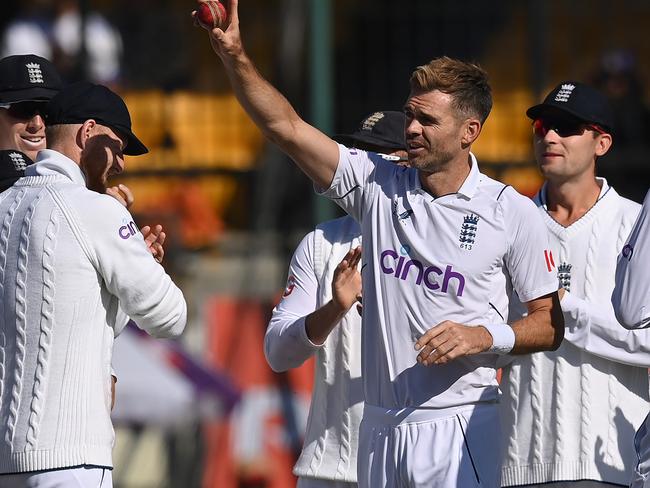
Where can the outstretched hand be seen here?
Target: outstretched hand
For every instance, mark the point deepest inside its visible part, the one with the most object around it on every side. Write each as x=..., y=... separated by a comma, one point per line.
x=154, y=239
x=226, y=44
x=346, y=284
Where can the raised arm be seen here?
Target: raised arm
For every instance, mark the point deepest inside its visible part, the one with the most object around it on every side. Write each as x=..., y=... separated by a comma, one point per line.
x=315, y=153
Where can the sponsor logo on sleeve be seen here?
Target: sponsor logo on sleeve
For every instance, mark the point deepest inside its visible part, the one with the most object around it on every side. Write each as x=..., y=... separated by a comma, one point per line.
x=628, y=250
x=548, y=257
x=291, y=284
x=127, y=230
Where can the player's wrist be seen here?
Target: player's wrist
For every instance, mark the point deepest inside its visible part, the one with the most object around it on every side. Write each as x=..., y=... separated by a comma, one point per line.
x=503, y=338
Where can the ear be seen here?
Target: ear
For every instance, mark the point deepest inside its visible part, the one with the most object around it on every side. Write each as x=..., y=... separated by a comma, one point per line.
x=470, y=131
x=85, y=132
x=603, y=144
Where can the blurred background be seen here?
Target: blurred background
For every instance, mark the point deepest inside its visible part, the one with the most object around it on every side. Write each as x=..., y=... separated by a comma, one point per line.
x=206, y=410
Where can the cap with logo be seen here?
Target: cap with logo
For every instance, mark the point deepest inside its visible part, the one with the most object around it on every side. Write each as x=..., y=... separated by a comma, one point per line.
x=382, y=129
x=83, y=101
x=12, y=167
x=576, y=100
x=27, y=78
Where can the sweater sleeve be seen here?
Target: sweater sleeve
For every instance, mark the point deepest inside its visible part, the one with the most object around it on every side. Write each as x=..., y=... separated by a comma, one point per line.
x=145, y=292
x=631, y=297
x=286, y=344
x=593, y=328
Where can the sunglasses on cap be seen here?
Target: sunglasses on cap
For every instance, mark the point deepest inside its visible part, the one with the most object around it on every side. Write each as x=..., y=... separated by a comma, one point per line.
x=25, y=110
x=563, y=128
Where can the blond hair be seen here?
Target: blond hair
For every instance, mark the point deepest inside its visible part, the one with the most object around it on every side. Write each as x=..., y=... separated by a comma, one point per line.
x=466, y=82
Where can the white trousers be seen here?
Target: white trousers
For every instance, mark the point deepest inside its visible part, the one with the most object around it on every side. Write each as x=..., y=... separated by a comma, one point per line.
x=83, y=477
x=304, y=482
x=437, y=448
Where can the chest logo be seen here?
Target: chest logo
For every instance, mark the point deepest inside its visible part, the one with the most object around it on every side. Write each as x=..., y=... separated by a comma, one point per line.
x=468, y=231
x=401, y=216
x=564, y=275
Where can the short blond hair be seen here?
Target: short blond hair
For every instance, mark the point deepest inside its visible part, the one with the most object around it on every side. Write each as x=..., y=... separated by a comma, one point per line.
x=466, y=82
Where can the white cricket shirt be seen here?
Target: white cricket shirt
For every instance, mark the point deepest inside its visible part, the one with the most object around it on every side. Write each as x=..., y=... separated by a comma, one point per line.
x=426, y=260
x=631, y=297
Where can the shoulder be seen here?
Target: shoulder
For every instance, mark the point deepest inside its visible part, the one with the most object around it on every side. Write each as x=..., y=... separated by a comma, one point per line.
x=509, y=200
x=337, y=229
x=619, y=207
x=96, y=211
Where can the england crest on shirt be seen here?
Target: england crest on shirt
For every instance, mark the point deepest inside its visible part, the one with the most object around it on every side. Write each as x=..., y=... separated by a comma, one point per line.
x=468, y=231
x=564, y=275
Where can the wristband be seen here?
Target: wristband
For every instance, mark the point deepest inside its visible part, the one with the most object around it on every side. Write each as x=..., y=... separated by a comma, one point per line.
x=503, y=338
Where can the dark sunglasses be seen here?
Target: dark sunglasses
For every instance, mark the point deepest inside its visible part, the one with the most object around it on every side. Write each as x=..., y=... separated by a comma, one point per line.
x=25, y=110
x=563, y=128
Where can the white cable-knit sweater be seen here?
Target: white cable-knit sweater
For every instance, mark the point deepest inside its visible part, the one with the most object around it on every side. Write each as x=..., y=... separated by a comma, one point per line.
x=67, y=256
x=571, y=414
x=331, y=440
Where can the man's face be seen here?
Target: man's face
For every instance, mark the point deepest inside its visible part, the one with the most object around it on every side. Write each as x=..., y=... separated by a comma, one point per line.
x=22, y=127
x=102, y=157
x=433, y=130
x=566, y=149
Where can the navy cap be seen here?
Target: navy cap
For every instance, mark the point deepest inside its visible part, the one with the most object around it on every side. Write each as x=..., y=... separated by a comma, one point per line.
x=382, y=129
x=27, y=78
x=577, y=100
x=83, y=100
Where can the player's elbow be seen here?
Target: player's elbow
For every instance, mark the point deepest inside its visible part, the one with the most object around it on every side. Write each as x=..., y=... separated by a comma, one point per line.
x=631, y=319
x=274, y=355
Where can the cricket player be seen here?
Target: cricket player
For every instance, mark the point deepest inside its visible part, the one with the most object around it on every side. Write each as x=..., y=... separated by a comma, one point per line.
x=443, y=246
x=568, y=415
x=631, y=300
x=70, y=256
x=316, y=316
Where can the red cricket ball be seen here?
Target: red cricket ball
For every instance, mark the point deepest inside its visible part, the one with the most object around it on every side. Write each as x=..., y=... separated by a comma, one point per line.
x=211, y=14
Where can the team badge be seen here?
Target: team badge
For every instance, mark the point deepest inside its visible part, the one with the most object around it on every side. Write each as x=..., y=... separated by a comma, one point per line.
x=18, y=160
x=468, y=231
x=565, y=92
x=34, y=72
x=564, y=275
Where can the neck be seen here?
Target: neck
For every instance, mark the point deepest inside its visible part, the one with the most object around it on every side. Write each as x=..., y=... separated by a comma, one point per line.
x=447, y=179
x=570, y=200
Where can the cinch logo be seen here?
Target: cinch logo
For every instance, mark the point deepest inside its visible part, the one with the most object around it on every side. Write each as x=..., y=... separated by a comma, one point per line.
x=393, y=264
x=128, y=230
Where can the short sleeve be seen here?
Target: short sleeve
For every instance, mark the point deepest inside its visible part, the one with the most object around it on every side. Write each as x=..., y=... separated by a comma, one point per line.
x=351, y=187
x=528, y=259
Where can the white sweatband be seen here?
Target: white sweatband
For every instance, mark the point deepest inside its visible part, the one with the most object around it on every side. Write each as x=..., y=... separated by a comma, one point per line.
x=503, y=338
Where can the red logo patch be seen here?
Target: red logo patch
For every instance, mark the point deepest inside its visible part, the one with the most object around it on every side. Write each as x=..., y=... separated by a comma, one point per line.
x=550, y=264
x=291, y=284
